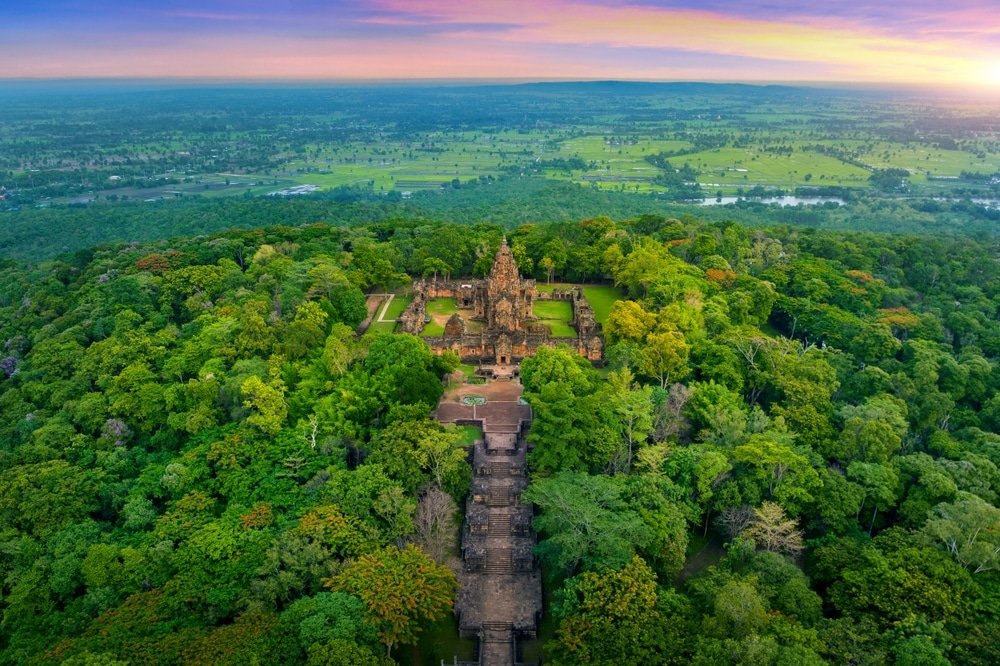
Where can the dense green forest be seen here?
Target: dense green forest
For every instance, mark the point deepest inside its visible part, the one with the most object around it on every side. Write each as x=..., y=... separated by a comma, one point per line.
x=791, y=457
x=32, y=234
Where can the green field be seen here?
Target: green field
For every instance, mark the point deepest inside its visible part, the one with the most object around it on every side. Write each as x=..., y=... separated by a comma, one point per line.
x=616, y=163
x=432, y=329
x=557, y=315
x=601, y=298
x=397, y=306
x=619, y=163
x=730, y=168
x=382, y=327
x=439, y=310
x=731, y=141
x=444, y=307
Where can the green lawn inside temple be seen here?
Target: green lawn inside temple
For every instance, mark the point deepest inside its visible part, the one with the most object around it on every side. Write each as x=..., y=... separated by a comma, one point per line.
x=601, y=298
x=557, y=315
x=439, y=310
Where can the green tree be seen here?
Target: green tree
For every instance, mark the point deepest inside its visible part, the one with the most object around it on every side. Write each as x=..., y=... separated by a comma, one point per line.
x=718, y=412
x=880, y=484
x=873, y=431
x=969, y=529
x=896, y=577
x=432, y=266
x=255, y=337
x=328, y=616
x=401, y=588
x=267, y=402
x=778, y=469
x=698, y=470
x=44, y=497
x=413, y=452
x=586, y=521
x=628, y=321
x=664, y=357
x=606, y=617
x=338, y=652
x=772, y=531
x=632, y=410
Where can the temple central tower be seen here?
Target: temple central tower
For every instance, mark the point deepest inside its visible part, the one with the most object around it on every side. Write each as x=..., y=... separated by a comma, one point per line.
x=508, y=299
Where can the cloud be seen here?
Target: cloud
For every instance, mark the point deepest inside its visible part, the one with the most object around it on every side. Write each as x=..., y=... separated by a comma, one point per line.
x=863, y=40
x=849, y=42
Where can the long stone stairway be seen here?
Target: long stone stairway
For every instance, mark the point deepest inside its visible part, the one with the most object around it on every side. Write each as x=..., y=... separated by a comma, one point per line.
x=500, y=596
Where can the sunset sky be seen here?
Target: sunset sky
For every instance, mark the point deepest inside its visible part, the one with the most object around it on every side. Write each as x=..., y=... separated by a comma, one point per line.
x=908, y=41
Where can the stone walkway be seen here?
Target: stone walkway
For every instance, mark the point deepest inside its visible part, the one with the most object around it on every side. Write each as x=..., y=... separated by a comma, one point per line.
x=500, y=595
x=384, y=308
x=373, y=303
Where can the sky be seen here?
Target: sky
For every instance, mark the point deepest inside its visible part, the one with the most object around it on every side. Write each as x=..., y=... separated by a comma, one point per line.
x=925, y=42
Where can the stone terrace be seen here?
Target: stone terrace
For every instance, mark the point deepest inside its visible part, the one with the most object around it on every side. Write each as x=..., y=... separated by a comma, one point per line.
x=503, y=412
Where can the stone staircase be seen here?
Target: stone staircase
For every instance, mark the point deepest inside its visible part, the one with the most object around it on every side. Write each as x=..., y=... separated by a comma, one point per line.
x=500, y=469
x=500, y=600
x=497, y=632
x=499, y=524
x=499, y=562
x=499, y=497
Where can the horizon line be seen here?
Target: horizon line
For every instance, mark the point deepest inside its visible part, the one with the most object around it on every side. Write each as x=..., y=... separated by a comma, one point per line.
x=811, y=83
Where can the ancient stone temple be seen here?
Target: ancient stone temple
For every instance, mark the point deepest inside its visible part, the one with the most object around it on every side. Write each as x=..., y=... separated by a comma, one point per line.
x=495, y=322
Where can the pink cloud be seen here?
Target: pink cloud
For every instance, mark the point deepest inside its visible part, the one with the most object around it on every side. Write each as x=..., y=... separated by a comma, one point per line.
x=518, y=39
x=868, y=51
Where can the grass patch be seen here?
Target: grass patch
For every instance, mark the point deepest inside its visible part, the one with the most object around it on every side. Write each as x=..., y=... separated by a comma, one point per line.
x=556, y=315
x=469, y=434
x=432, y=328
x=441, y=306
x=397, y=306
x=382, y=327
x=439, y=310
x=601, y=298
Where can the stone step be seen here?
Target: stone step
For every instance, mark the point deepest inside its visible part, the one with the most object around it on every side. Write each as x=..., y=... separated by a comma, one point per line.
x=502, y=453
x=497, y=632
x=499, y=525
x=498, y=626
x=499, y=469
x=503, y=428
x=498, y=561
x=499, y=498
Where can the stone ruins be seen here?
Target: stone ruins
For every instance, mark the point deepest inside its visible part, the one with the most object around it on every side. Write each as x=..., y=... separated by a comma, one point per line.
x=499, y=326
